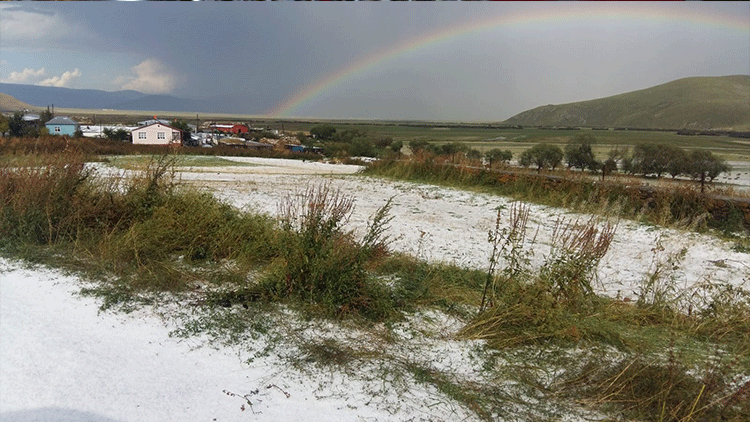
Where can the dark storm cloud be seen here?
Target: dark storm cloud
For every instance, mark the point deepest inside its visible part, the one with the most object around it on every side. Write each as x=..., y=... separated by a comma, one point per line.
x=257, y=56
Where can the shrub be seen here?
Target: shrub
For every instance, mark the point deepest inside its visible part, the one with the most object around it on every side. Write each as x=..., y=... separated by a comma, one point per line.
x=46, y=199
x=576, y=251
x=542, y=156
x=578, y=152
x=322, y=263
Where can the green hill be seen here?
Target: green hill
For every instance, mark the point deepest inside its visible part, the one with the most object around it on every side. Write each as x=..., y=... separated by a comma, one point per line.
x=697, y=103
x=8, y=103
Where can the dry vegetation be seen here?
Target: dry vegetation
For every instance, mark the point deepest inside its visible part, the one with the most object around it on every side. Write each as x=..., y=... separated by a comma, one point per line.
x=683, y=205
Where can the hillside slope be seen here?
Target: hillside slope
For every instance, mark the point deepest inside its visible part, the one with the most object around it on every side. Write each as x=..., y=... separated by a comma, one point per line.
x=700, y=103
x=8, y=103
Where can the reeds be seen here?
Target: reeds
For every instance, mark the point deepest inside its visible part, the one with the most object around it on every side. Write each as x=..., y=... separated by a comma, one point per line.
x=655, y=389
x=46, y=199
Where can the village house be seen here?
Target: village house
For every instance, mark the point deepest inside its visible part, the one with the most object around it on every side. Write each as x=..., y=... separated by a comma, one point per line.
x=156, y=134
x=62, y=126
x=154, y=120
x=237, y=129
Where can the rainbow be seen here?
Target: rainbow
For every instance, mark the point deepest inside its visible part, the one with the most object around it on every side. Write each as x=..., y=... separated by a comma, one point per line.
x=660, y=13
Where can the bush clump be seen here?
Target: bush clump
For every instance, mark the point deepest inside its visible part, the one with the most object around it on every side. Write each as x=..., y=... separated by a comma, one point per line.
x=145, y=223
x=320, y=262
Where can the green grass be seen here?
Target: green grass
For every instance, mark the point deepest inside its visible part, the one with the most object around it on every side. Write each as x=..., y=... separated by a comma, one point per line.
x=140, y=162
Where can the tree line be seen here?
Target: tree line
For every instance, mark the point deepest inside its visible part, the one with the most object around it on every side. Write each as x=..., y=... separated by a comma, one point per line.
x=16, y=126
x=646, y=159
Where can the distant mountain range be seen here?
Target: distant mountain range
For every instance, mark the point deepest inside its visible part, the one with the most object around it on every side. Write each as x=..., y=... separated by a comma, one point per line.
x=696, y=103
x=43, y=96
x=693, y=103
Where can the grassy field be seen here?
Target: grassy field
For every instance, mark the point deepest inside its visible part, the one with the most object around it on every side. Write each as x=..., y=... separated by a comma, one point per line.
x=479, y=136
x=140, y=162
x=518, y=140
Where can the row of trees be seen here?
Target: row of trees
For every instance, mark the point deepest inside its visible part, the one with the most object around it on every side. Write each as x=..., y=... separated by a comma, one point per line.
x=659, y=159
x=455, y=149
x=646, y=159
x=350, y=142
x=354, y=142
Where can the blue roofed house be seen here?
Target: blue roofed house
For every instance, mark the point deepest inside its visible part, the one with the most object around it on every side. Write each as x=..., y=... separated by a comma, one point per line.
x=62, y=126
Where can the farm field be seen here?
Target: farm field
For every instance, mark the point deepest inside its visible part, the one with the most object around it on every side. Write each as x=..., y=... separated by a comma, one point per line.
x=164, y=372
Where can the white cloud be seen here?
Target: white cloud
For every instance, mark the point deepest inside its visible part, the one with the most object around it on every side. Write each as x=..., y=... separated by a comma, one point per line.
x=64, y=80
x=26, y=76
x=40, y=77
x=152, y=77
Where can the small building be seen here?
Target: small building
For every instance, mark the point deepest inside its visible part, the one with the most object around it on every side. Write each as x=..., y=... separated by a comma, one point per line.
x=156, y=134
x=258, y=145
x=296, y=148
x=230, y=141
x=62, y=125
x=237, y=129
x=152, y=121
x=303, y=148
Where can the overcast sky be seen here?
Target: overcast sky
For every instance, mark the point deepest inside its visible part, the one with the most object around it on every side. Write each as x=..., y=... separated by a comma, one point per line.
x=485, y=61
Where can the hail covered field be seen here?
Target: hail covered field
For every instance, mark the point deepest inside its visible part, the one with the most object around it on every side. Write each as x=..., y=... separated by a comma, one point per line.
x=68, y=361
x=450, y=225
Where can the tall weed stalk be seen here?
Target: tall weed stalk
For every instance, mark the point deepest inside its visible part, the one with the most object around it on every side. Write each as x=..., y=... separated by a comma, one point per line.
x=576, y=251
x=520, y=305
x=508, y=244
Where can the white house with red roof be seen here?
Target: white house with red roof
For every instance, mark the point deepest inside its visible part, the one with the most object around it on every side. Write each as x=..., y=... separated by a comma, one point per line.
x=156, y=133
